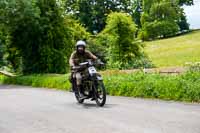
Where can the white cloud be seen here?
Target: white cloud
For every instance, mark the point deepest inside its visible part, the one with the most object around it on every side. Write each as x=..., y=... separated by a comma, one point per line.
x=193, y=14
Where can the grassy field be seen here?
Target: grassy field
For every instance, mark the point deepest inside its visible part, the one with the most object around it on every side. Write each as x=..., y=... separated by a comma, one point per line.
x=176, y=51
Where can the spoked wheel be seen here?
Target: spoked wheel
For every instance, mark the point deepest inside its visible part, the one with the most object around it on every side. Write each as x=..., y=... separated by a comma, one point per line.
x=100, y=93
x=78, y=98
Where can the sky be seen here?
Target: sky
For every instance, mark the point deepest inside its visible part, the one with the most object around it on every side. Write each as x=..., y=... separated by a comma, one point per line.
x=193, y=14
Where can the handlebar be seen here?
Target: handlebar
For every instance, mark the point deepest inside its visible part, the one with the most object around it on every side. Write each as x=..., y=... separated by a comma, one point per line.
x=86, y=64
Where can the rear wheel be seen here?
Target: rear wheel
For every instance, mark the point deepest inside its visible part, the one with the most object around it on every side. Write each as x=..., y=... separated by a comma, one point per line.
x=100, y=93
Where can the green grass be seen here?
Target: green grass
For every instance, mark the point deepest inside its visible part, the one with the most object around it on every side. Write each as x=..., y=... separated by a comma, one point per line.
x=176, y=51
x=48, y=80
x=2, y=78
x=185, y=87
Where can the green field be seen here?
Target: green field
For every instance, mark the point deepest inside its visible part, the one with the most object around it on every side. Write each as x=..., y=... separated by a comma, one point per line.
x=176, y=51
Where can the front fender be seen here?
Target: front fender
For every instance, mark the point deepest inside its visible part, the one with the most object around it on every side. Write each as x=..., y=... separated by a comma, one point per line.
x=99, y=77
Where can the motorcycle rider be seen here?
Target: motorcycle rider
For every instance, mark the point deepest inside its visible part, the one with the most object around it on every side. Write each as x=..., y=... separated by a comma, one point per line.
x=78, y=56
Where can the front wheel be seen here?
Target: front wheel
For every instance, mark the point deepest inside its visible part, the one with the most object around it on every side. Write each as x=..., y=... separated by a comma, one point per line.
x=100, y=93
x=76, y=92
x=78, y=98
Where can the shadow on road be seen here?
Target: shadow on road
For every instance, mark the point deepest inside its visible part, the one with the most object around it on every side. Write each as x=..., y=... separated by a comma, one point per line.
x=93, y=105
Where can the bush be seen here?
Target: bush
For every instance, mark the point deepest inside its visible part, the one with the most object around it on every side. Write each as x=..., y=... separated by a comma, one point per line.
x=158, y=29
x=97, y=46
x=141, y=61
x=2, y=79
x=184, y=87
x=120, y=33
x=194, y=67
x=49, y=81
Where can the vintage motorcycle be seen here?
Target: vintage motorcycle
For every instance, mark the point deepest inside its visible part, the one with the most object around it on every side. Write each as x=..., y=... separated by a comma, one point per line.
x=92, y=83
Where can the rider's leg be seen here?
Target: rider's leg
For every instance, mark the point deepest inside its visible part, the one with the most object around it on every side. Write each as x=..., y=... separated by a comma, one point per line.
x=71, y=80
x=78, y=82
x=74, y=82
x=78, y=79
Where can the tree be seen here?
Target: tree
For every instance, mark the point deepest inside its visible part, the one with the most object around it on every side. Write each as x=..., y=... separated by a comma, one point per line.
x=2, y=46
x=9, y=10
x=137, y=12
x=77, y=32
x=38, y=32
x=93, y=13
x=42, y=37
x=185, y=2
x=182, y=20
x=3, y=36
x=54, y=38
x=120, y=32
x=159, y=19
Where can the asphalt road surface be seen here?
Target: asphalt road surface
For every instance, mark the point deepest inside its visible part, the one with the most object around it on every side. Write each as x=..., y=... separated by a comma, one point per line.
x=36, y=110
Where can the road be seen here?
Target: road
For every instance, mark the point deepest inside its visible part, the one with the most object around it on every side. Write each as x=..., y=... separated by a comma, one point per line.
x=37, y=110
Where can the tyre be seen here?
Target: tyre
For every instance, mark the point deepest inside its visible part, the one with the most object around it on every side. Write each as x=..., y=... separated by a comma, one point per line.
x=78, y=98
x=100, y=93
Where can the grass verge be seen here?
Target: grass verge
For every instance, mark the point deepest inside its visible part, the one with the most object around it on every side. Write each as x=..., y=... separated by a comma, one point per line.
x=185, y=87
x=47, y=81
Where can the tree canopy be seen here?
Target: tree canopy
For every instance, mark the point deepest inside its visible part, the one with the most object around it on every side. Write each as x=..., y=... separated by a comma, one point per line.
x=93, y=13
x=40, y=34
x=162, y=18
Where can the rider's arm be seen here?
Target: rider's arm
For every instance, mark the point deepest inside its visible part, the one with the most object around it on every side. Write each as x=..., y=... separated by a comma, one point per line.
x=91, y=56
x=71, y=60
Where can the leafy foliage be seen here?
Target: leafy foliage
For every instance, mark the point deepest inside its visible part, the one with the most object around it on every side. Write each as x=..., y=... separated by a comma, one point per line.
x=180, y=87
x=185, y=2
x=185, y=87
x=120, y=33
x=194, y=67
x=162, y=18
x=2, y=46
x=39, y=80
x=137, y=12
x=93, y=13
x=40, y=34
x=182, y=20
x=96, y=46
x=158, y=29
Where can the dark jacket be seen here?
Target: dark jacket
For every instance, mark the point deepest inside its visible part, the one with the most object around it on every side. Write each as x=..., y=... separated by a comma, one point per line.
x=77, y=58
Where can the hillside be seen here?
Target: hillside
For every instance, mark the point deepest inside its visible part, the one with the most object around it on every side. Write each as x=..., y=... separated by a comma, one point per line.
x=176, y=51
